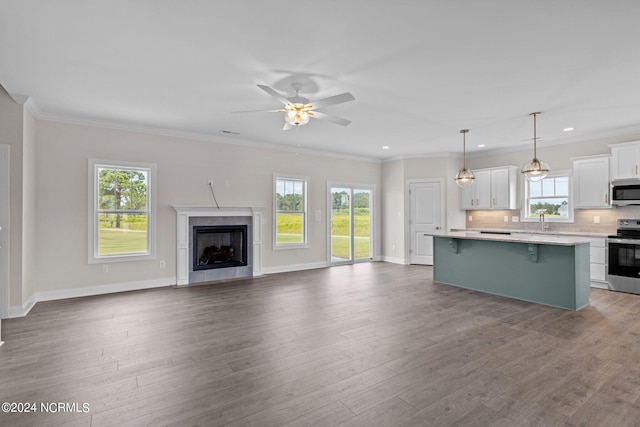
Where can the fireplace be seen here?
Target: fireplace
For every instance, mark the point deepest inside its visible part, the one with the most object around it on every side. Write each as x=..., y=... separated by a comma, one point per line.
x=190, y=216
x=219, y=246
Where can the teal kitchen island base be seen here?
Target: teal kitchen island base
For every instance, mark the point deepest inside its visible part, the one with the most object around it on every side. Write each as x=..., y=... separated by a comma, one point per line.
x=540, y=269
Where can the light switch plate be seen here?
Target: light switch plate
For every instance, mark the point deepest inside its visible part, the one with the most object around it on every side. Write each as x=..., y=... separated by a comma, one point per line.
x=596, y=220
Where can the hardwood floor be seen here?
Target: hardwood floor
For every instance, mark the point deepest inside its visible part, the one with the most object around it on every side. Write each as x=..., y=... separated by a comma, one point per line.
x=372, y=344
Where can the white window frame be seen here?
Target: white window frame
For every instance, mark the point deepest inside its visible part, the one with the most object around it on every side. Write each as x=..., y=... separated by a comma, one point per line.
x=525, y=202
x=94, y=165
x=305, y=212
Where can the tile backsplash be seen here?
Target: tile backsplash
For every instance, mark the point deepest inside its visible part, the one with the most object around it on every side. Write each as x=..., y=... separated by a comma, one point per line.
x=583, y=220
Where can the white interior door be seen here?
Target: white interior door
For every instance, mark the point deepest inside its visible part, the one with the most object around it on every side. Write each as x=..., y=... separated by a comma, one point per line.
x=425, y=218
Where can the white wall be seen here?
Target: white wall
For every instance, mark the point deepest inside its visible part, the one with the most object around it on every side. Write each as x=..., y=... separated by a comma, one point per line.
x=183, y=168
x=393, y=214
x=11, y=130
x=29, y=208
x=439, y=167
x=558, y=156
x=396, y=174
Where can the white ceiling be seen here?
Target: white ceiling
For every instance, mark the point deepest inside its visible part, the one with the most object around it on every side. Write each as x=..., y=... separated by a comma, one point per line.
x=420, y=70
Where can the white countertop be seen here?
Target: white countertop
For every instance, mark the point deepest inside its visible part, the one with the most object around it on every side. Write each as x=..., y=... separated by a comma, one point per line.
x=551, y=232
x=539, y=239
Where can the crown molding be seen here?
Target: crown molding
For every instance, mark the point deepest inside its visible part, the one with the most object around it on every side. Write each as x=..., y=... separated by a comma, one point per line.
x=19, y=98
x=220, y=138
x=434, y=155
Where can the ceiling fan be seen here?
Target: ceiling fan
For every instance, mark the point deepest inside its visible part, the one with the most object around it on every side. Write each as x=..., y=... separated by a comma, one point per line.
x=298, y=110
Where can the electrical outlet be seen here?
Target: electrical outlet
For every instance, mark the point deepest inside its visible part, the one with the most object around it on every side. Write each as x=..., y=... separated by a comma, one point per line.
x=162, y=264
x=105, y=268
x=470, y=218
x=506, y=218
x=226, y=183
x=210, y=183
x=596, y=220
x=515, y=219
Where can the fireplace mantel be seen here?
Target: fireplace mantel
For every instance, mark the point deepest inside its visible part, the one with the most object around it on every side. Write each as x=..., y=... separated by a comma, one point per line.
x=184, y=212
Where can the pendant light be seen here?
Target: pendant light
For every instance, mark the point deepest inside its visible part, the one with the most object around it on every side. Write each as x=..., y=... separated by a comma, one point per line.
x=535, y=170
x=465, y=176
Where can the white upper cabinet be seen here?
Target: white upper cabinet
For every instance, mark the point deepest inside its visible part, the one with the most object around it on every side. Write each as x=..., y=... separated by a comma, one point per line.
x=625, y=161
x=591, y=183
x=483, y=189
x=494, y=188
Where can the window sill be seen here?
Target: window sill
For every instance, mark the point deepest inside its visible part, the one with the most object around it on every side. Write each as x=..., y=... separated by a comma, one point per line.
x=121, y=258
x=556, y=221
x=289, y=247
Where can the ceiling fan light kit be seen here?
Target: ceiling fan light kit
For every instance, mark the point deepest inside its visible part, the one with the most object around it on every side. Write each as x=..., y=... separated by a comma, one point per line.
x=465, y=176
x=298, y=110
x=535, y=170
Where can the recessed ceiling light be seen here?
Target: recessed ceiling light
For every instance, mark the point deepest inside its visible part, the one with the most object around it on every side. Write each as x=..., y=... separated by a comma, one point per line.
x=567, y=129
x=481, y=145
x=385, y=147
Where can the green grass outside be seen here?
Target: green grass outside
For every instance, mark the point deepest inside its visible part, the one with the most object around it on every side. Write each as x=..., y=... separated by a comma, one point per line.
x=289, y=231
x=114, y=241
x=340, y=247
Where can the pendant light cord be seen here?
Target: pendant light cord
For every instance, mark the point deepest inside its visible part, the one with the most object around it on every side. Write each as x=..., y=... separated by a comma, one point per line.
x=535, y=138
x=464, y=148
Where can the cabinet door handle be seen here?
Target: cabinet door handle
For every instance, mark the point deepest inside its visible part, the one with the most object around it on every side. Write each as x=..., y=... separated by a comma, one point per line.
x=636, y=169
x=606, y=198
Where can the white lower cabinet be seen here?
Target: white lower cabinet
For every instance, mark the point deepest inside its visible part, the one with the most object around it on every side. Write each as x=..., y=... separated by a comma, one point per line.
x=598, y=262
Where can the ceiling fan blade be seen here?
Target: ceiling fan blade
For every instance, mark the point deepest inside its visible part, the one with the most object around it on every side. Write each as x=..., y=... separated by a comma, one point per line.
x=275, y=94
x=258, y=111
x=332, y=100
x=333, y=119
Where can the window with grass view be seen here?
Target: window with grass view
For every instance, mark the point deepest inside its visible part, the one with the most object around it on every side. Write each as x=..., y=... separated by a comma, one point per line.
x=551, y=197
x=122, y=211
x=290, y=211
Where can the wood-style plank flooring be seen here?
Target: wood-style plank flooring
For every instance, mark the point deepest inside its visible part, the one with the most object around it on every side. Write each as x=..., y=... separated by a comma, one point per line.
x=372, y=344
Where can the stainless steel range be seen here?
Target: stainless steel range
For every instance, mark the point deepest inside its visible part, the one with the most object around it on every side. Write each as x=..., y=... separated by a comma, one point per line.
x=624, y=257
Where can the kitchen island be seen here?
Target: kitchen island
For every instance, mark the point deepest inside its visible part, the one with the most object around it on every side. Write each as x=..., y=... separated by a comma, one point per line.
x=551, y=270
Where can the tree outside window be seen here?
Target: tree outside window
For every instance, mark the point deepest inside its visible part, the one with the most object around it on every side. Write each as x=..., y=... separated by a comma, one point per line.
x=121, y=214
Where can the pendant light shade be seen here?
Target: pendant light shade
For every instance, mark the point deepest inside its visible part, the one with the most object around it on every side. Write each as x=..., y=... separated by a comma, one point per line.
x=465, y=177
x=536, y=169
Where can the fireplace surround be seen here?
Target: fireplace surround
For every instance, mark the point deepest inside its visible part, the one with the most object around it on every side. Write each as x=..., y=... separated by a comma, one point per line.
x=190, y=216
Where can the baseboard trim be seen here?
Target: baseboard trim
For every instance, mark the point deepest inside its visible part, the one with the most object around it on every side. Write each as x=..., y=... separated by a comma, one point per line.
x=24, y=309
x=294, y=267
x=393, y=260
x=21, y=311
x=105, y=289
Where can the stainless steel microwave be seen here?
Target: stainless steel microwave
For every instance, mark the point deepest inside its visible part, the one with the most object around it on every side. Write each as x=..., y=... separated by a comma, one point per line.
x=625, y=194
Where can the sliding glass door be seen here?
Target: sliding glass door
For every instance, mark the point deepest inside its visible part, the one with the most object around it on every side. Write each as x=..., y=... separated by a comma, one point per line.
x=351, y=224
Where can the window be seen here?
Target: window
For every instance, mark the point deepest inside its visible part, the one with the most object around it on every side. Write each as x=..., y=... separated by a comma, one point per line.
x=122, y=211
x=551, y=196
x=290, y=216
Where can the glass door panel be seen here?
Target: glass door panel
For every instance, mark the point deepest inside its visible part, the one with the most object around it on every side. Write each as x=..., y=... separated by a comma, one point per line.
x=362, y=224
x=341, y=241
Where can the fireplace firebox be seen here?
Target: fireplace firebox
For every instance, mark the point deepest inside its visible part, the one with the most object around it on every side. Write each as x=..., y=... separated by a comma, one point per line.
x=219, y=246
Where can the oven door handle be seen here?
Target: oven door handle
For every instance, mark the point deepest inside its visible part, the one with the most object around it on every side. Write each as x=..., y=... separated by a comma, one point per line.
x=625, y=241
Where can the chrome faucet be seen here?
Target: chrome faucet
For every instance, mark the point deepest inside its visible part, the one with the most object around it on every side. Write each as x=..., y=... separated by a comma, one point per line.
x=543, y=226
